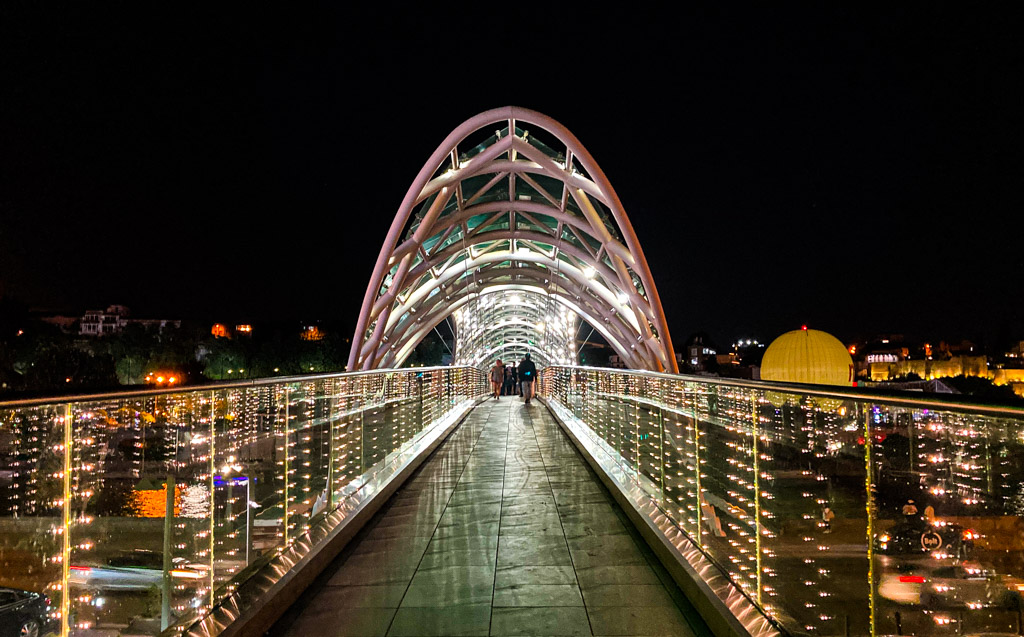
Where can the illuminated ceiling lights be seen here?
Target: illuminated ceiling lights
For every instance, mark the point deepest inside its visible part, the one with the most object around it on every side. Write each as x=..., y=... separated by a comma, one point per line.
x=507, y=325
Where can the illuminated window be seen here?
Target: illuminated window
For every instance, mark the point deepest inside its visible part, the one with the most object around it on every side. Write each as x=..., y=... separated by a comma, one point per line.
x=312, y=333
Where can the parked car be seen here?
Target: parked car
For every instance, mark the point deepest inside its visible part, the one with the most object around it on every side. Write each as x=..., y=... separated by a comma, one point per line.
x=965, y=585
x=24, y=613
x=918, y=536
x=131, y=571
x=968, y=586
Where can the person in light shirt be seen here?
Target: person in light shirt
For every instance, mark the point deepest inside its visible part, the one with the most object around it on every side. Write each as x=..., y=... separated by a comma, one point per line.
x=909, y=509
x=497, y=378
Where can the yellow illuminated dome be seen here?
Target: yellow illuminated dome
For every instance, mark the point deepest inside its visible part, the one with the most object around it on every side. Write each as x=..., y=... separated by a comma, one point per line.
x=808, y=356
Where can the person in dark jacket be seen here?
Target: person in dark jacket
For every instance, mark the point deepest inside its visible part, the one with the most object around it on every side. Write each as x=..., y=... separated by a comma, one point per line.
x=527, y=376
x=507, y=387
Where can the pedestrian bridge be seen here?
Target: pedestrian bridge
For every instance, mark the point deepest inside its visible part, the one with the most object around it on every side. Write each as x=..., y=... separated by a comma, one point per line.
x=403, y=501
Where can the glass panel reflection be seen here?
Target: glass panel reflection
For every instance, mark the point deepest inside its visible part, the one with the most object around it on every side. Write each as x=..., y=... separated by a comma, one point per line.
x=137, y=512
x=836, y=513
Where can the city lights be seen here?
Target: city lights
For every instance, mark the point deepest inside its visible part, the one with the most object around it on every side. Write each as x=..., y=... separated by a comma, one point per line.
x=162, y=378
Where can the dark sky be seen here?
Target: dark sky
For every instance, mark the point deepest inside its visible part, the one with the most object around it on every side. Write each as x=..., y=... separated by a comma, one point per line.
x=859, y=172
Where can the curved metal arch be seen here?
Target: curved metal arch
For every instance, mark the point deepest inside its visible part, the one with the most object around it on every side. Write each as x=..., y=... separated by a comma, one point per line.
x=426, y=323
x=534, y=207
x=576, y=278
x=514, y=334
x=431, y=320
x=508, y=324
x=607, y=323
x=593, y=262
x=582, y=256
x=583, y=305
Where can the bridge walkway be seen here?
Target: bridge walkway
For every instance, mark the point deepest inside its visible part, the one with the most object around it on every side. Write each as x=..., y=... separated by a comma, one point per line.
x=504, y=530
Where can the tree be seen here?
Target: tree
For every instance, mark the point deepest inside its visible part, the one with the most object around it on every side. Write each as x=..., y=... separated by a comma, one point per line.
x=430, y=352
x=983, y=389
x=224, y=359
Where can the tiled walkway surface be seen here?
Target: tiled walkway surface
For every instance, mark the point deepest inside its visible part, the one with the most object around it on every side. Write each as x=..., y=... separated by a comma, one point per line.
x=503, y=531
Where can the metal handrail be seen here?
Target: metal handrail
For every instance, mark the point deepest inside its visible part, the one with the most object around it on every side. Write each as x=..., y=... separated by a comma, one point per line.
x=215, y=386
x=883, y=397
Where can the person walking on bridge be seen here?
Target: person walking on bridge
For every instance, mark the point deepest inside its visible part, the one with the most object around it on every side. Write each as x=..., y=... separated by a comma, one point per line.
x=497, y=378
x=527, y=374
x=509, y=371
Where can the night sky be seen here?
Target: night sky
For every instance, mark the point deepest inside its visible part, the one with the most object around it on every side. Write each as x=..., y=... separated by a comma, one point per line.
x=858, y=172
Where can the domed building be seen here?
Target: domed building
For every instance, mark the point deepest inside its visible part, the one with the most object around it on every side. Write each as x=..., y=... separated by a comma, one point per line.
x=808, y=356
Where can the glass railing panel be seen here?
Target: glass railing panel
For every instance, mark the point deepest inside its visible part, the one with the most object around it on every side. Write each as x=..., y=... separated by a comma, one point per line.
x=347, y=434
x=729, y=499
x=34, y=519
x=261, y=457
x=399, y=409
x=835, y=513
x=584, y=392
x=272, y=524
x=314, y=452
x=595, y=409
x=627, y=423
x=137, y=512
x=140, y=489
x=947, y=554
x=813, y=513
x=571, y=386
x=622, y=421
x=454, y=385
x=430, y=385
x=374, y=420
x=229, y=481
x=681, y=456
x=650, y=435
x=411, y=408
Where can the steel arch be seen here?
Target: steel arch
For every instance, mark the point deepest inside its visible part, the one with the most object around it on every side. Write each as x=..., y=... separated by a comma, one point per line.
x=511, y=213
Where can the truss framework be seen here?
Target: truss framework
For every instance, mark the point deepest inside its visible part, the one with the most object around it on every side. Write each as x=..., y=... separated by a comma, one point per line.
x=508, y=324
x=525, y=210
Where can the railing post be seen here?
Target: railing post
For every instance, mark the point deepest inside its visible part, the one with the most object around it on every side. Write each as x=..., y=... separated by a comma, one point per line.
x=330, y=445
x=868, y=487
x=637, y=420
x=755, y=431
x=287, y=437
x=661, y=443
x=362, y=429
x=696, y=457
x=165, y=597
x=248, y=517
x=212, y=468
x=65, y=592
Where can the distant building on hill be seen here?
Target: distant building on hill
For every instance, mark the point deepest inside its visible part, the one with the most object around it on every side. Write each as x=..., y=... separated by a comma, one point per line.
x=929, y=369
x=699, y=353
x=117, y=317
